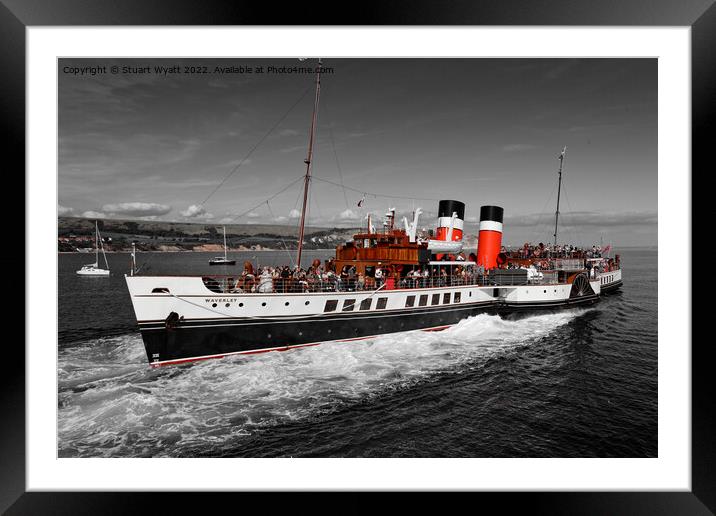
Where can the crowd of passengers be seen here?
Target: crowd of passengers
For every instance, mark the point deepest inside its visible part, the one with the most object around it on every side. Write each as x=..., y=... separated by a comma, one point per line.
x=324, y=277
x=541, y=250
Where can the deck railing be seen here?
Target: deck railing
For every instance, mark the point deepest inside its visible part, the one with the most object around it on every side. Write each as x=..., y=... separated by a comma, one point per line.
x=239, y=284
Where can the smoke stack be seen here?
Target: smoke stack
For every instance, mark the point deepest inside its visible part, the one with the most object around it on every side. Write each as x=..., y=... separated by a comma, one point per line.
x=490, y=238
x=445, y=213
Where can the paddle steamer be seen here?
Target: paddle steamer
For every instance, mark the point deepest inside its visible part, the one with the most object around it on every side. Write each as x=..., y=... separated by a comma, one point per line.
x=383, y=281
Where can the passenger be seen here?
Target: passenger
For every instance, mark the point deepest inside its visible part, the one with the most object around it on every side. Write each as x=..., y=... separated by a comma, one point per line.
x=379, y=277
x=265, y=285
x=360, y=285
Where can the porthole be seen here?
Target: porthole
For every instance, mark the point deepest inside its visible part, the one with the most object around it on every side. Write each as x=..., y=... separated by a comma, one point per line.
x=330, y=331
x=241, y=304
x=308, y=303
x=545, y=291
x=263, y=304
x=300, y=333
x=227, y=305
x=470, y=294
x=268, y=335
x=213, y=305
x=286, y=303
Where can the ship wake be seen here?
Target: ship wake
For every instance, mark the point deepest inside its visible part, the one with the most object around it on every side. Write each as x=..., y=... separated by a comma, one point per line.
x=112, y=404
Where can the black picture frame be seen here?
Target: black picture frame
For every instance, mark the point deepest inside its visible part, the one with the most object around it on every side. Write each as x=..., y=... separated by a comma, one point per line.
x=16, y=15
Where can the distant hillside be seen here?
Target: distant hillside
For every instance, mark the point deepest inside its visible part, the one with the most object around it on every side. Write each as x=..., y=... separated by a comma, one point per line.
x=75, y=232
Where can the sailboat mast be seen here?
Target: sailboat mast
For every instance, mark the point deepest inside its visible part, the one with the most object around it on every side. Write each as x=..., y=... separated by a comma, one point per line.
x=559, y=191
x=224, y=243
x=96, y=244
x=307, y=161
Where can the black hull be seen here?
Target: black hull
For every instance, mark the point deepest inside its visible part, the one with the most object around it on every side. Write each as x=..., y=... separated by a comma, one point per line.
x=201, y=339
x=193, y=340
x=612, y=287
x=230, y=262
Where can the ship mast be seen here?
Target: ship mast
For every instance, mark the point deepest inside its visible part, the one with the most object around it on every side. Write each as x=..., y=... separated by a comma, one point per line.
x=307, y=161
x=559, y=189
x=224, y=243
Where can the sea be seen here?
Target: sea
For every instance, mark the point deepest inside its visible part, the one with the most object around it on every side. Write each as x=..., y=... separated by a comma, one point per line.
x=570, y=383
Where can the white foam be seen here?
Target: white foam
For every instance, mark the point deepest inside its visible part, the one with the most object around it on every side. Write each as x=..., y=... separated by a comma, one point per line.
x=112, y=403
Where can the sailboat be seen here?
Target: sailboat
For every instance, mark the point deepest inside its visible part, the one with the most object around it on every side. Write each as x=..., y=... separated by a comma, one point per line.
x=219, y=260
x=93, y=269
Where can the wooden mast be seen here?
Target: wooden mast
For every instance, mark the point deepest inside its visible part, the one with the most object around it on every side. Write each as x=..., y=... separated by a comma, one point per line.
x=307, y=161
x=559, y=189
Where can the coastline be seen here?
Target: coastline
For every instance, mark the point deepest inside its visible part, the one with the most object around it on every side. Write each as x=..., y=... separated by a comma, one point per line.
x=187, y=251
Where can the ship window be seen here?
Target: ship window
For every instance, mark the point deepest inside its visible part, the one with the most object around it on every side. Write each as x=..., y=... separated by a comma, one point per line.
x=458, y=296
x=160, y=290
x=331, y=305
x=410, y=301
x=423, y=300
x=446, y=298
x=435, y=300
x=365, y=304
x=349, y=305
x=382, y=301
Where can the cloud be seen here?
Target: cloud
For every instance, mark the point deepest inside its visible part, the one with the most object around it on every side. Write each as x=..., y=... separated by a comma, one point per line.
x=196, y=211
x=518, y=147
x=63, y=210
x=280, y=218
x=294, y=214
x=253, y=215
x=348, y=214
x=226, y=220
x=94, y=215
x=137, y=209
x=588, y=219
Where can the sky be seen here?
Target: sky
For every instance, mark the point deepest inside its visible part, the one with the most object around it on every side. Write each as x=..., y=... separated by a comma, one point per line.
x=402, y=133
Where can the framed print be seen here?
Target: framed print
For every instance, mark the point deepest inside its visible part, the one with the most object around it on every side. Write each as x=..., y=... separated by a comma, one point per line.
x=247, y=190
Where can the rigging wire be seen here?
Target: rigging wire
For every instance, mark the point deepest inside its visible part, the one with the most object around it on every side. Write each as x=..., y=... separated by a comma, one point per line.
x=541, y=214
x=290, y=257
x=338, y=165
x=372, y=194
x=251, y=151
x=573, y=226
x=270, y=198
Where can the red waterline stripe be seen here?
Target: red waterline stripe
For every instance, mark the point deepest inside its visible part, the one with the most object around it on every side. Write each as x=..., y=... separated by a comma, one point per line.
x=278, y=348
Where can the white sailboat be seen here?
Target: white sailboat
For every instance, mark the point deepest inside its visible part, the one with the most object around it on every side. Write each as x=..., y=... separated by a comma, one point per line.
x=219, y=260
x=93, y=269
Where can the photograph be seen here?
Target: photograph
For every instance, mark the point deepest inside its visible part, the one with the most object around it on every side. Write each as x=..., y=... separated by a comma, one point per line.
x=357, y=257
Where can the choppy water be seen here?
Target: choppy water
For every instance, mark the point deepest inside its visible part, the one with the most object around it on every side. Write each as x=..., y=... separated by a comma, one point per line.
x=573, y=383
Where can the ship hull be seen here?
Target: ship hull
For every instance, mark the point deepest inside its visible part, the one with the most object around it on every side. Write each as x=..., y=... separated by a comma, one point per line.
x=610, y=281
x=196, y=340
x=181, y=319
